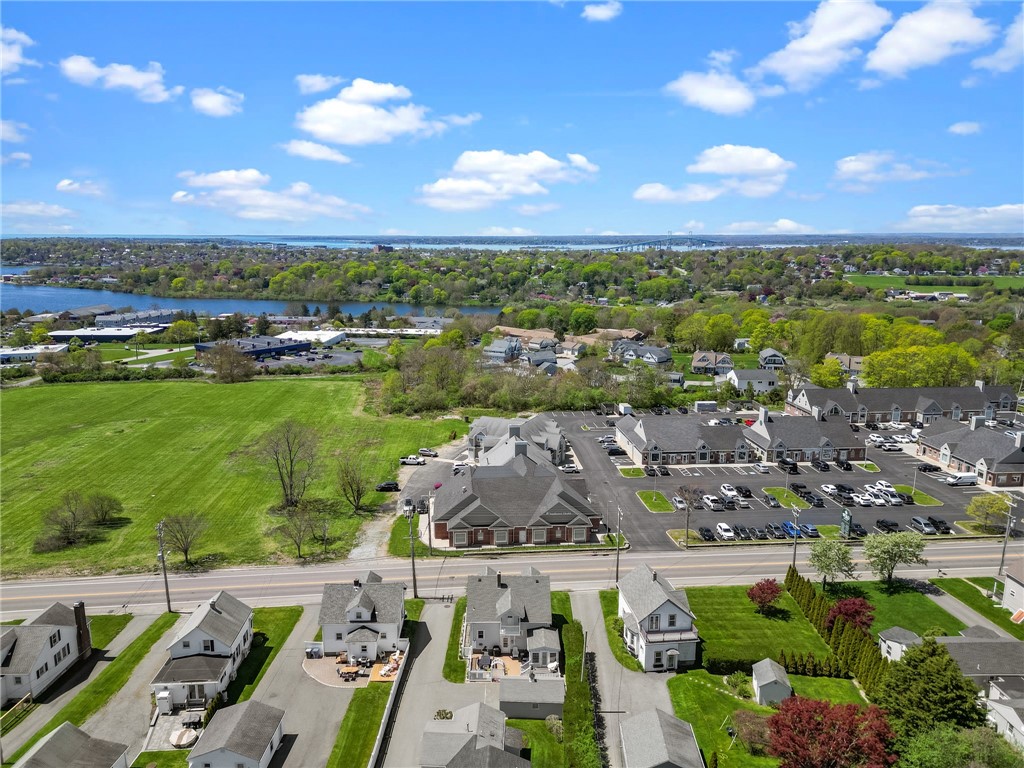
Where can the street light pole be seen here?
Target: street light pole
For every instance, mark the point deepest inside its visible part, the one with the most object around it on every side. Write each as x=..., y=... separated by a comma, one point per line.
x=412, y=555
x=1010, y=520
x=796, y=533
x=618, y=542
x=163, y=562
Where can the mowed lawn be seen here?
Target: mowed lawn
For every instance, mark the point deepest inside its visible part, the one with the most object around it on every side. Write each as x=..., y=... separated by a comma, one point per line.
x=903, y=607
x=897, y=281
x=732, y=629
x=169, y=447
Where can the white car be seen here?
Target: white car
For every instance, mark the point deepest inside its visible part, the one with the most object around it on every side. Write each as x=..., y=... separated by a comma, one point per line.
x=828, y=489
x=991, y=423
x=412, y=459
x=875, y=438
x=878, y=499
x=459, y=466
x=713, y=503
x=729, y=492
x=862, y=499
x=570, y=468
x=883, y=485
x=725, y=533
x=679, y=502
x=762, y=469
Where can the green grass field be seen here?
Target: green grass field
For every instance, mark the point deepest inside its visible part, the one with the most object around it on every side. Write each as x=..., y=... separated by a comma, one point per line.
x=276, y=624
x=454, y=667
x=610, y=609
x=655, y=501
x=921, y=498
x=105, y=628
x=94, y=696
x=835, y=689
x=631, y=472
x=967, y=592
x=545, y=750
x=162, y=759
x=359, y=728
x=867, y=466
x=732, y=629
x=903, y=607
x=896, y=281
x=167, y=447
x=786, y=497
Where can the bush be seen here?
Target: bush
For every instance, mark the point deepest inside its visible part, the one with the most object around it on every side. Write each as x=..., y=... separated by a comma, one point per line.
x=443, y=714
x=554, y=726
x=739, y=683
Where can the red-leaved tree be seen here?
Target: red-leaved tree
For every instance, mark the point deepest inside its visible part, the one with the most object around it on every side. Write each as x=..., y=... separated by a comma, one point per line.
x=806, y=733
x=764, y=594
x=854, y=610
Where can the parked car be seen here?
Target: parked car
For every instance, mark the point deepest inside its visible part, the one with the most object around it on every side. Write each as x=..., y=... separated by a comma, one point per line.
x=759, y=533
x=427, y=452
x=878, y=499
x=891, y=498
x=662, y=470
x=679, y=502
x=683, y=410
x=791, y=530
x=713, y=503
x=725, y=533
x=789, y=466
x=890, y=447
x=797, y=487
x=809, y=530
x=927, y=468
x=742, y=532
x=771, y=501
x=871, y=425
x=616, y=451
x=412, y=459
x=742, y=503
x=845, y=497
x=906, y=498
x=844, y=488
x=730, y=503
x=774, y=530
x=705, y=533
x=814, y=500
x=762, y=469
x=609, y=422
x=570, y=469
x=829, y=490
x=921, y=525
x=388, y=486
x=854, y=428
x=745, y=492
x=844, y=465
x=856, y=529
x=862, y=499
x=728, y=491
x=887, y=526
x=820, y=465
x=884, y=485
x=649, y=470
x=940, y=525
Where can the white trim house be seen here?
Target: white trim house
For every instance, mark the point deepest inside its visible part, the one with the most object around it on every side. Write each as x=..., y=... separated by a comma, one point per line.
x=364, y=618
x=657, y=623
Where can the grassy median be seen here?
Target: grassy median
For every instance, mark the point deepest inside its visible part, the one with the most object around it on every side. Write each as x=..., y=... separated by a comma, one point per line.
x=359, y=729
x=276, y=624
x=655, y=501
x=970, y=595
x=455, y=667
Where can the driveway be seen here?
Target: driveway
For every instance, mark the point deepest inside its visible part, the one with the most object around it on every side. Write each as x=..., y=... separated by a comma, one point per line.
x=623, y=692
x=313, y=711
x=966, y=614
x=56, y=699
x=426, y=690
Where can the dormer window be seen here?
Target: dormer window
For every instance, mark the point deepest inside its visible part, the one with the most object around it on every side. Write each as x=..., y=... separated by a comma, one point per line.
x=359, y=615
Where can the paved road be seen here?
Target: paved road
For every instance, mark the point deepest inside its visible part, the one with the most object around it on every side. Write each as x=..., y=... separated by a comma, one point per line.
x=966, y=614
x=296, y=585
x=623, y=691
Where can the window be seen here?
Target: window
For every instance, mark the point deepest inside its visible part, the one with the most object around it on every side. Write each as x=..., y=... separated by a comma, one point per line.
x=655, y=622
x=558, y=533
x=536, y=658
x=55, y=638
x=657, y=659
x=359, y=615
x=186, y=644
x=535, y=705
x=480, y=536
x=383, y=635
x=362, y=649
x=208, y=646
x=339, y=635
x=479, y=634
x=671, y=619
x=17, y=680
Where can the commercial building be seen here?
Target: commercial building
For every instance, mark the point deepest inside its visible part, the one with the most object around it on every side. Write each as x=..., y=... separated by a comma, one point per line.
x=257, y=347
x=324, y=338
x=115, y=334
x=995, y=457
x=28, y=354
x=142, y=317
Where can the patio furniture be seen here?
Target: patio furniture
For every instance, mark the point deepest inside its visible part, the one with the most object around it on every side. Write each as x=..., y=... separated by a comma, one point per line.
x=185, y=737
x=192, y=719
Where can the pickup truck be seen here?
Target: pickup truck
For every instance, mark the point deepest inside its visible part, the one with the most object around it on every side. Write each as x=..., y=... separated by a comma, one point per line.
x=412, y=459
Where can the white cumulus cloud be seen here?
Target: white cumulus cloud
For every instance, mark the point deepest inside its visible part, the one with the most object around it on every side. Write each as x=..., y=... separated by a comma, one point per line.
x=965, y=128
x=84, y=187
x=243, y=194
x=535, y=209
x=23, y=159
x=361, y=114
x=927, y=36
x=602, y=11
x=747, y=171
x=34, y=210
x=317, y=83
x=858, y=172
x=147, y=84
x=958, y=218
x=12, y=51
x=222, y=102
x=11, y=131
x=506, y=232
x=1010, y=54
x=480, y=179
x=313, y=151
x=777, y=227
x=717, y=90
x=823, y=42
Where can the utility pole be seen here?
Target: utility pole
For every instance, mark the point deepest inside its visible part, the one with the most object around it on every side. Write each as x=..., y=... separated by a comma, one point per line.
x=796, y=533
x=163, y=563
x=412, y=554
x=1011, y=502
x=686, y=530
x=618, y=543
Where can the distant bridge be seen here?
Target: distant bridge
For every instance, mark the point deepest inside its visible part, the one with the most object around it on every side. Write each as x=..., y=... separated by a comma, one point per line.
x=661, y=242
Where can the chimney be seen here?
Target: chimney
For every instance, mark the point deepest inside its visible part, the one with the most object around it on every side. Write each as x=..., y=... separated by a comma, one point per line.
x=654, y=575
x=213, y=605
x=816, y=412
x=514, y=430
x=979, y=384
x=852, y=386
x=977, y=422
x=520, y=447
x=1018, y=441
x=762, y=415
x=82, y=633
x=356, y=584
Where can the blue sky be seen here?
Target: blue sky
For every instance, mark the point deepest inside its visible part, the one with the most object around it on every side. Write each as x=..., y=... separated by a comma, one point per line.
x=512, y=118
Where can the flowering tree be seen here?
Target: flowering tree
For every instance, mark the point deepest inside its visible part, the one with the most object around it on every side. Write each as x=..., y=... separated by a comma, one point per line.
x=764, y=594
x=854, y=610
x=806, y=733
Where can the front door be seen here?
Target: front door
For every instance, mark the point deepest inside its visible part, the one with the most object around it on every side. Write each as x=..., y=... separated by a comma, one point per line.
x=195, y=692
x=522, y=536
x=670, y=660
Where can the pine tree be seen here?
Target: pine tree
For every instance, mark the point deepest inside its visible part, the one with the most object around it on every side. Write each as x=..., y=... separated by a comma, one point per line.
x=837, y=633
x=812, y=665
x=713, y=762
x=783, y=661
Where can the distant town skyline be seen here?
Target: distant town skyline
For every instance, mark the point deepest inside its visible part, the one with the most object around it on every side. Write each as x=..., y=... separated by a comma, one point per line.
x=512, y=118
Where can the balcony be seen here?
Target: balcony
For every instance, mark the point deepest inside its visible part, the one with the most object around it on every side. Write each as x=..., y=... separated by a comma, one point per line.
x=510, y=630
x=669, y=635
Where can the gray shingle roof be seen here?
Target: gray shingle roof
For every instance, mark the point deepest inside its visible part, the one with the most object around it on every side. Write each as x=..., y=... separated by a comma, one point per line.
x=473, y=738
x=222, y=618
x=362, y=635
x=802, y=433
x=754, y=374
x=907, y=398
x=645, y=592
x=70, y=747
x=245, y=729
x=57, y=615
x=192, y=669
x=656, y=739
x=21, y=647
x=899, y=635
x=769, y=671
x=676, y=434
x=542, y=638
x=998, y=450
x=985, y=657
x=526, y=691
x=492, y=594
x=385, y=602
x=1015, y=570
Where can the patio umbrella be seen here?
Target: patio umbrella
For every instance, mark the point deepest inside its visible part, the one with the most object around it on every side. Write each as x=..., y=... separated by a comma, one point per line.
x=186, y=737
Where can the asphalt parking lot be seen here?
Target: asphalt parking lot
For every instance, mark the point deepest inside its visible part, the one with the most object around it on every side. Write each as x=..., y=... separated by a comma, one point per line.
x=610, y=491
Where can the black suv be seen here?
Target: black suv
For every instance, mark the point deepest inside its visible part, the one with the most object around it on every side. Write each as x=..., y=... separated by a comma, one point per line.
x=927, y=468
x=788, y=465
x=844, y=465
x=650, y=471
x=814, y=500
x=706, y=534
x=821, y=465
x=797, y=488
x=940, y=525
x=887, y=526
x=662, y=470
x=745, y=492
x=389, y=486
x=856, y=529
x=844, y=488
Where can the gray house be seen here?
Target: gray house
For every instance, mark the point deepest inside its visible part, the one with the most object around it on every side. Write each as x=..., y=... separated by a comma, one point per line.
x=771, y=360
x=244, y=735
x=363, y=618
x=760, y=380
x=475, y=737
x=504, y=610
x=69, y=747
x=894, y=641
x=531, y=698
x=656, y=739
x=771, y=683
x=658, y=626
x=35, y=654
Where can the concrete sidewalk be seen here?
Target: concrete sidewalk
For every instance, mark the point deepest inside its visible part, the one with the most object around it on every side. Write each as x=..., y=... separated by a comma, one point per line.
x=426, y=690
x=966, y=614
x=55, y=700
x=623, y=692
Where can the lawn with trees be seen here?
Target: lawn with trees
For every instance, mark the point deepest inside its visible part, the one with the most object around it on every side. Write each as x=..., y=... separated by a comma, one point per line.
x=901, y=605
x=200, y=447
x=359, y=728
x=970, y=595
x=271, y=628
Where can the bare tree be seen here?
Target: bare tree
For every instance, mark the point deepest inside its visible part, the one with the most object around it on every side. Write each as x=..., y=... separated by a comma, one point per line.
x=183, y=532
x=66, y=519
x=292, y=450
x=102, y=508
x=298, y=526
x=353, y=480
